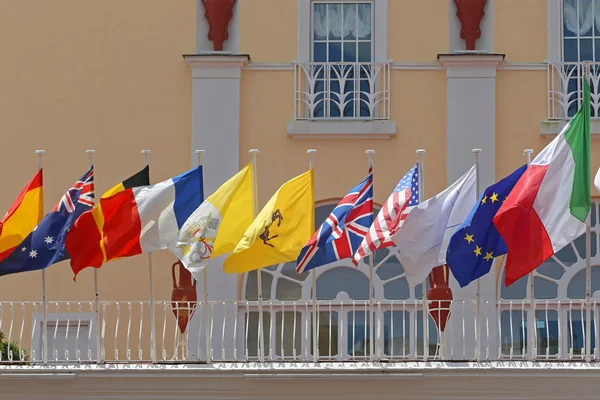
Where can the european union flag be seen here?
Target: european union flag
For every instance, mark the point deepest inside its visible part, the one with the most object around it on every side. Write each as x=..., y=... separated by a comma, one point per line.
x=46, y=244
x=477, y=242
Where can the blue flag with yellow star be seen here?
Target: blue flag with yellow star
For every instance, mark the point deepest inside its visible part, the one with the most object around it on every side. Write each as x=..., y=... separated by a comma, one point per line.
x=476, y=242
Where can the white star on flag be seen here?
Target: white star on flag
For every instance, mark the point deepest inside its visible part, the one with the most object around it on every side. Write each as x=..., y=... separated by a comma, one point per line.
x=33, y=254
x=48, y=239
x=24, y=249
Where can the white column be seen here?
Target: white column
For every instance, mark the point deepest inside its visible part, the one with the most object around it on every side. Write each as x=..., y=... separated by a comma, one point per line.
x=471, y=123
x=216, y=129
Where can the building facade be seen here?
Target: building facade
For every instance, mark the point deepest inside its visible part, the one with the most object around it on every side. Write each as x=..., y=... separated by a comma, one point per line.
x=340, y=77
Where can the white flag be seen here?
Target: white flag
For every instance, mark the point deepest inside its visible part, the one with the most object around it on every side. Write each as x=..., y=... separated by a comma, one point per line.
x=427, y=230
x=597, y=180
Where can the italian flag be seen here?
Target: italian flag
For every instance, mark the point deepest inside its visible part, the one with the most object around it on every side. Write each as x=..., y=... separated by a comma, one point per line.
x=548, y=207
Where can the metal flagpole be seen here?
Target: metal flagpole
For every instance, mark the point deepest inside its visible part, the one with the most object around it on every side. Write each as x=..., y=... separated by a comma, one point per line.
x=90, y=154
x=478, y=301
x=421, y=153
x=588, y=270
x=527, y=153
x=261, y=335
x=371, y=321
x=199, y=154
x=40, y=155
x=311, y=164
x=146, y=154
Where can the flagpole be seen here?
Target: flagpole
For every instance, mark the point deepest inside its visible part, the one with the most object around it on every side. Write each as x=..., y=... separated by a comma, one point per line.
x=40, y=155
x=146, y=154
x=588, y=267
x=527, y=153
x=421, y=153
x=200, y=154
x=370, y=154
x=478, y=299
x=90, y=154
x=311, y=164
x=261, y=350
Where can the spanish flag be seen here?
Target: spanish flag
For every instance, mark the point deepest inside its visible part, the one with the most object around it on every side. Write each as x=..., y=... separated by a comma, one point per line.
x=279, y=231
x=23, y=216
x=84, y=241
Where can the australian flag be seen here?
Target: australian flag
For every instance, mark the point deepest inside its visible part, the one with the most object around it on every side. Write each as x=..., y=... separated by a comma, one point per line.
x=343, y=231
x=477, y=242
x=45, y=245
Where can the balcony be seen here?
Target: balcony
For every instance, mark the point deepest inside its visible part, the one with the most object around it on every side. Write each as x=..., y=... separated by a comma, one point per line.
x=342, y=98
x=565, y=94
x=129, y=333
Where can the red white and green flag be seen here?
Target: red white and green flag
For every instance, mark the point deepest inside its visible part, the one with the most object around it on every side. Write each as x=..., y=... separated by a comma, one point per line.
x=548, y=207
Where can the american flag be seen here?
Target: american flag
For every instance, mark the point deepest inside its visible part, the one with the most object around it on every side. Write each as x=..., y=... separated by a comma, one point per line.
x=392, y=215
x=343, y=230
x=81, y=192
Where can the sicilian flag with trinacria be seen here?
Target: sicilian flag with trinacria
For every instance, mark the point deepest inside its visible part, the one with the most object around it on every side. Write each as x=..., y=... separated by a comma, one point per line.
x=136, y=220
x=549, y=205
x=45, y=245
x=392, y=215
x=342, y=232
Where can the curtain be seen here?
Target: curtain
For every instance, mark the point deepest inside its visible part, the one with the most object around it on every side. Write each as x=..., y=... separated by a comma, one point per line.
x=341, y=24
x=582, y=24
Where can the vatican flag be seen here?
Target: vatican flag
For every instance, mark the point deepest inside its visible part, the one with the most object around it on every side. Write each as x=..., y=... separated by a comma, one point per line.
x=279, y=231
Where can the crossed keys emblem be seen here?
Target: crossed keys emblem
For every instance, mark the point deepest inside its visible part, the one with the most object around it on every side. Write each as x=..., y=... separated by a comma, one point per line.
x=277, y=216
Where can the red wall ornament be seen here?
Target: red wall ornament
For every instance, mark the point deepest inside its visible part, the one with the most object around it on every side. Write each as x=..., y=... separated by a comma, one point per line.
x=439, y=296
x=183, y=298
x=218, y=13
x=470, y=13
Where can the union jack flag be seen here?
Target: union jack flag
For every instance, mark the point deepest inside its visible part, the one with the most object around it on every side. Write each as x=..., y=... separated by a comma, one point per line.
x=392, y=215
x=81, y=192
x=342, y=232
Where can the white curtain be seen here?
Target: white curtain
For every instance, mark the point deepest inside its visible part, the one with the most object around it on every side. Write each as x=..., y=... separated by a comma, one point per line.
x=589, y=10
x=360, y=27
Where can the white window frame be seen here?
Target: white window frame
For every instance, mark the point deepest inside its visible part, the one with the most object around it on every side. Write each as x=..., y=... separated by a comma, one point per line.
x=379, y=28
x=555, y=27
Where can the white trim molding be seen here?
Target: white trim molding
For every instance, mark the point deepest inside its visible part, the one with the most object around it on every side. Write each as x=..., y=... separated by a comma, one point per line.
x=555, y=27
x=550, y=128
x=380, y=30
x=341, y=129
x=404, y=66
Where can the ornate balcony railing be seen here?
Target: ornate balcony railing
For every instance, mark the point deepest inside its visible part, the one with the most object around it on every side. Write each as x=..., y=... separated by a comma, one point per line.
x=333, y=91
x=565, y=90
x=119, y=332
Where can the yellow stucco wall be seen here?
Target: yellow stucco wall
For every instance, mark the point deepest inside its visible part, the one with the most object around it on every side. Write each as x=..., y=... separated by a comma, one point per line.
x=341, y=162
x=103, y=75
x=521, y=30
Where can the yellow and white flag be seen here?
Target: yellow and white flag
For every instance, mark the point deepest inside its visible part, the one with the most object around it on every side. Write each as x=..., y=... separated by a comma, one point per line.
x=216, y=227
x=280, y=230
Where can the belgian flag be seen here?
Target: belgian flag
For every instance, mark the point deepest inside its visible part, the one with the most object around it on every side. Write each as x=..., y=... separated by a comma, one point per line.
x=84, y=241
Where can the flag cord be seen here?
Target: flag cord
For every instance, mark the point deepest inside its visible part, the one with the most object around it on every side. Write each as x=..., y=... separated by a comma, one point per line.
x=478, y=296
x=152, y=316
x=261, y=350
x=199, y=154
x=40, y=154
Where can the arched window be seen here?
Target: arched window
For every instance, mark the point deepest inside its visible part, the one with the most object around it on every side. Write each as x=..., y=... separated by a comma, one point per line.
x=343, y=307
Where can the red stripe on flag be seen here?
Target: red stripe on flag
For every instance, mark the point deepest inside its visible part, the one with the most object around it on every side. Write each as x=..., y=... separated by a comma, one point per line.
x=122, y=225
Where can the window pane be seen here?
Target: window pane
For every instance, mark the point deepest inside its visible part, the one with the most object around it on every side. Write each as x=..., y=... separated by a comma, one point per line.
x=586, y=51
x=364, y=52
x=320, y=52
x=364, y=21
x=570, y=50
x=547, y=332
x=320, y=21
x=334, y=18
x=513, y=332
x=349, y=21
x=335, y=52
x=349, y=52
x=358, y=334
x=327, y=334
x=290, y=331
x=585, y=17
x=252, y=343
x=576, y=330
x=396, y=333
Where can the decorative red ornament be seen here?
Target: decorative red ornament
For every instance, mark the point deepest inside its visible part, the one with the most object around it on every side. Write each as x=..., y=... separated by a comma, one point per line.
x=218, y=13
x=439, y=296
x=470, y=13
x=183, y=298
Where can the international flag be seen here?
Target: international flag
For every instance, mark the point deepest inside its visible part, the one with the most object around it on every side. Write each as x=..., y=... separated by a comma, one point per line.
x=392, y=215
x=280, y=230
x=548, y=207
x=476, y=243
x=86, y=235
x=45, y=245
x=136, y=220
x=217, y=226
x=424, y=237
x=25, y=213
x=343, y=230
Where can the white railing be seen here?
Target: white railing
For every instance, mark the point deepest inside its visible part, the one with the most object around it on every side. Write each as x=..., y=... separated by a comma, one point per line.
x=505, y=330
x=565, y=90
x=355, y=91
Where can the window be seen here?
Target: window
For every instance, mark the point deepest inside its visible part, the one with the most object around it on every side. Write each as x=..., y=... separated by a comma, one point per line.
x=581, y=30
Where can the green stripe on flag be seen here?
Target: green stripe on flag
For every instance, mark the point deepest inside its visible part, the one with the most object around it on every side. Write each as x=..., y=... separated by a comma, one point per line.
x=578, y=137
